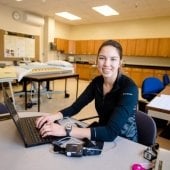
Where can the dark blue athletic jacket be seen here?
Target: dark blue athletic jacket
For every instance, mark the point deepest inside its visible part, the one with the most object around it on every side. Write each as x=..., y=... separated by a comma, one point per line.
x=116, y=109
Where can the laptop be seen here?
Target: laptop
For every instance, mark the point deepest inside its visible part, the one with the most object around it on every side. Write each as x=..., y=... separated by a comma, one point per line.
x=26, y=125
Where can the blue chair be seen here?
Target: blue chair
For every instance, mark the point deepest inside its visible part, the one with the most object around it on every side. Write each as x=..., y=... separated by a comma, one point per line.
x=3, y=111
x=3, y=108
x=166, y=79
x=151, y=86
x=146, y=127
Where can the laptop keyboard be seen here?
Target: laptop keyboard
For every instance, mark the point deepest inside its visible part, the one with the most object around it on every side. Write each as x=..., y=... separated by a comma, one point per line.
x=28, y=124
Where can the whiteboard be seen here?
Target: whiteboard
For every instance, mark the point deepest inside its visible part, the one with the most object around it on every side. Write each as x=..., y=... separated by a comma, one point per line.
x=19, y=47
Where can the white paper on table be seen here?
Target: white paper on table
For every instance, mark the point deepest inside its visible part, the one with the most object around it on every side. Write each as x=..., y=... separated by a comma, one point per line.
x=161, y=102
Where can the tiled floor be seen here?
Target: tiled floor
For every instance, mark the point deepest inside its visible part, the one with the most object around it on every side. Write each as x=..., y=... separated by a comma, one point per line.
x=58, y=102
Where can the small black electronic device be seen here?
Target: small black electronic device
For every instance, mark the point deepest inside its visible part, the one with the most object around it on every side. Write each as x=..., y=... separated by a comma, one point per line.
x=74, y=150
x=87, y=148
x=150, y=153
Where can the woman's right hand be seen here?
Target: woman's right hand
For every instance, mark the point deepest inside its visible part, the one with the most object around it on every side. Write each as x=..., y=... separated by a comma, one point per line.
x=47, y=119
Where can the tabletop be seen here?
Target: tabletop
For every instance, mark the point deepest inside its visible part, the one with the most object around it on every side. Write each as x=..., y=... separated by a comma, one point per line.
x=117, y=155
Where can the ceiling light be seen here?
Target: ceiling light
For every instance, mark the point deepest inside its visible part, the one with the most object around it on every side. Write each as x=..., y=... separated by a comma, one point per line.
x=68, y=16
x=18, y=0
x=105, y=10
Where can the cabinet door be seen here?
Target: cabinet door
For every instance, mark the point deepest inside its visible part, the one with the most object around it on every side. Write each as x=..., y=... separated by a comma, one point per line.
x=164, y=47
x=81, y=47
x=159, y=74
x=61, y=44
x=97, y=44
x=83, y=70
x=147, y=73
x=127, y=71
x=131, y=45
x=84, y=47
x=2, y=32
x=65, y=46
x=93, y=72
x=136, y=75
x=90, y=47
x=71, y=47
x=123, y=43
x=78, y=47
x=152, y=45
x=140, y=49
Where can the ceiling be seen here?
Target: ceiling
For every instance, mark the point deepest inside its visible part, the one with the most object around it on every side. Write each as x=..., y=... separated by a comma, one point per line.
x=128, y=9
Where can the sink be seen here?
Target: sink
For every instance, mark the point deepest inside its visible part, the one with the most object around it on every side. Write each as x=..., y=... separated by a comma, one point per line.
x=82, y=62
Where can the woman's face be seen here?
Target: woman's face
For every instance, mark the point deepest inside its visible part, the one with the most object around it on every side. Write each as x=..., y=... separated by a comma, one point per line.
x=108, y=62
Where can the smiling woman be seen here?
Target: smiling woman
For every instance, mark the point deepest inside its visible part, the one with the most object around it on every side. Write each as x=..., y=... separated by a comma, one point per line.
x=116, y=99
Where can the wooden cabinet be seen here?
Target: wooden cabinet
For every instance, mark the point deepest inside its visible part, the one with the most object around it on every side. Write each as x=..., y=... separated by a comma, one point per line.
x=131, y=46
x=85, y=47
x=139, y=74
x=147, y=73
x=81, y=47
x=164, y=47
x=159, y=74
x=83, y=70
x=2, y=32
x=71, y=47
x=136, y=75
x=90, y=47
x=61, y=45
x=123, y=43
x=127, y=71
x=93, y=72
x=152, y=45
x=140, y=49
x=97, y=44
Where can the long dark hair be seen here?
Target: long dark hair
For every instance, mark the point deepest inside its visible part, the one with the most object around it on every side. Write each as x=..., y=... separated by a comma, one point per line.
x=114, y=44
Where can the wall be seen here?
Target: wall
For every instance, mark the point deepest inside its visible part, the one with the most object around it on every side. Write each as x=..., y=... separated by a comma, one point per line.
x=144, y=28
x=47, y=33
x=63, y=30
x=8, y=24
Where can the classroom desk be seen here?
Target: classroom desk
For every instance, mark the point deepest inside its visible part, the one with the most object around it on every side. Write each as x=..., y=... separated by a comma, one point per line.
x=47, y=77
x=154, y=108
x=117, y=155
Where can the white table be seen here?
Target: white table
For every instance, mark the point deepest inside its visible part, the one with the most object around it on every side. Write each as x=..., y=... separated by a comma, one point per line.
x=155, y=107
x=118, y=155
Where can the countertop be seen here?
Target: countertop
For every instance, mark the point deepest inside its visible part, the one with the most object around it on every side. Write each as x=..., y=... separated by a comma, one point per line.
x=147, y=61
x=141, y=62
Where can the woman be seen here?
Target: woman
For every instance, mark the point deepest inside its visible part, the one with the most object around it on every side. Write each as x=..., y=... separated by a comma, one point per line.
x=115, y=96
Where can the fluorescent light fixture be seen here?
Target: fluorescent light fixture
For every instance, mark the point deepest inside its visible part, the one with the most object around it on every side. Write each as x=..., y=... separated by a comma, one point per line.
x=105, y=10
x=68, y=16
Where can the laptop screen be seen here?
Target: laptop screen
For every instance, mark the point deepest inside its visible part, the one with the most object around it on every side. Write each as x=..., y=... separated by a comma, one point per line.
x=10, y=107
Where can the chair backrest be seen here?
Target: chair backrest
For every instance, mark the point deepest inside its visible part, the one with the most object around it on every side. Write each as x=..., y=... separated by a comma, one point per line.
x=3, y=108
x=146, y=127
x=166, y=79
x=150, y=87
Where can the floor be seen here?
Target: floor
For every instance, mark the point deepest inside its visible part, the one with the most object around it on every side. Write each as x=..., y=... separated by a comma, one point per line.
x=58, y=101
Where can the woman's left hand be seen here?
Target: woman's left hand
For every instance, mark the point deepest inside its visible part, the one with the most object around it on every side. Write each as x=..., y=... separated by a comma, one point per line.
x=52, y=129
